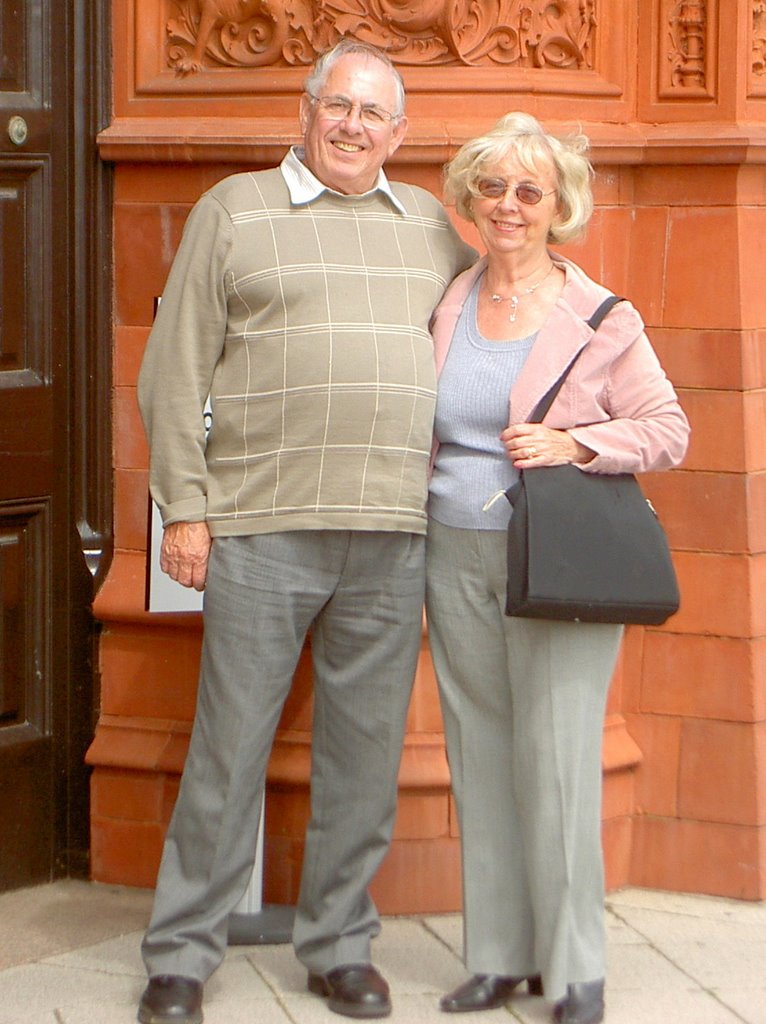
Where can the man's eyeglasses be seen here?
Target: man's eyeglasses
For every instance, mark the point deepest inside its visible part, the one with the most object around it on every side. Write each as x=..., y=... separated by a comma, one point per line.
x=338, y=108
x=525, y=191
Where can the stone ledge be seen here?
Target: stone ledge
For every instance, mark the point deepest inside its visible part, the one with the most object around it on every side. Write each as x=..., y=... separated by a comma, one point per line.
x=263, y=140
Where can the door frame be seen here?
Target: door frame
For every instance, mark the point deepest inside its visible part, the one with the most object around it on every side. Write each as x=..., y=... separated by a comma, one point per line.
x=87, y=400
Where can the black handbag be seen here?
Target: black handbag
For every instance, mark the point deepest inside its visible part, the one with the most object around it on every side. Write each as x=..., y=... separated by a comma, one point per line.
x=586, y=547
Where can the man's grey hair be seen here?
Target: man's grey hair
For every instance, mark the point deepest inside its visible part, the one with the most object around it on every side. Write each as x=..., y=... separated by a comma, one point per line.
x=327, y=60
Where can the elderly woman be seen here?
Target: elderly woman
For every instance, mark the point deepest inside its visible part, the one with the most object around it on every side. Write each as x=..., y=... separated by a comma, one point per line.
x=523, y=700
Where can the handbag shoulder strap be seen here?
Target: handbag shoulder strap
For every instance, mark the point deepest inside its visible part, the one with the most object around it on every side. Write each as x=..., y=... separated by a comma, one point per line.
x=542, y=407
x=595, y=320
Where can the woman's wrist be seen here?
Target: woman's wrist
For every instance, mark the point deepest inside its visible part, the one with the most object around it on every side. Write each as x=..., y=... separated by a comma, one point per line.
x=582, y=454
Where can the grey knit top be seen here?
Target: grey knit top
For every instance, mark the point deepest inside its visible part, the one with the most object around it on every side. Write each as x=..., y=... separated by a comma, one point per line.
x=471, y=410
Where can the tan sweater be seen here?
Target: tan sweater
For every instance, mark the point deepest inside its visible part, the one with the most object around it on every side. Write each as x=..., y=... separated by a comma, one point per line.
x=308, y=326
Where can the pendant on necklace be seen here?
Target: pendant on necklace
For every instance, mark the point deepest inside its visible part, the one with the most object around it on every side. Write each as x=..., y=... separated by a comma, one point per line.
x=514, y=301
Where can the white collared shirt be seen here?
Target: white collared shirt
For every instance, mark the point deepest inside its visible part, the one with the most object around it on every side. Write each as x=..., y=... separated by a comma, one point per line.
x=304, y=186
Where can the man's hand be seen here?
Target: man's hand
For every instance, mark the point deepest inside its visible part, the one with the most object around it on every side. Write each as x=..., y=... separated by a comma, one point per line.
x=185, y=552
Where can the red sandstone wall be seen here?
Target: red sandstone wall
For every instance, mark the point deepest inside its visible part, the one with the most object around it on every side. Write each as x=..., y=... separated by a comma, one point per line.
x=673, y=97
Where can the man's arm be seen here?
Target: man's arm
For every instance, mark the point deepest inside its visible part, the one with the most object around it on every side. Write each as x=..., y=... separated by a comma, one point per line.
x=185, y=552
x=184, y=346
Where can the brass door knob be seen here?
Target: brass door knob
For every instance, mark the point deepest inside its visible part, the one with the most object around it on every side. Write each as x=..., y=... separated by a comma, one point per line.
x=17, y=130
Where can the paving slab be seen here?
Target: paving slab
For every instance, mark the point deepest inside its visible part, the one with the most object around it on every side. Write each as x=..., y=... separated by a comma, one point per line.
x=34, y=989
x=70, y=954
x=47, y=919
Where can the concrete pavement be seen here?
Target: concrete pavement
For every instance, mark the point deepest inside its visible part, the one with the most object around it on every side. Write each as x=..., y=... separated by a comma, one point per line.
x=69, y=954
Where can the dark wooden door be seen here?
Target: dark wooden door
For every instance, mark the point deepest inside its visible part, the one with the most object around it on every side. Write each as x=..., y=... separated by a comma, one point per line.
x=46, y=672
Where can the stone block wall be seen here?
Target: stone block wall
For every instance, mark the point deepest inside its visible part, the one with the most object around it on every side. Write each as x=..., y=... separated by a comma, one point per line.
x=673, y=96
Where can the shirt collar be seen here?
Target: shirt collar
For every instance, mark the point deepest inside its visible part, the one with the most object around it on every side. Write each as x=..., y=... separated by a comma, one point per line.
x=304, y=186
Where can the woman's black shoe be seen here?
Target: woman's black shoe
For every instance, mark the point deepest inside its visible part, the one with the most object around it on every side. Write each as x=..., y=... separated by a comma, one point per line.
x=583, y=1004
x=486, y=992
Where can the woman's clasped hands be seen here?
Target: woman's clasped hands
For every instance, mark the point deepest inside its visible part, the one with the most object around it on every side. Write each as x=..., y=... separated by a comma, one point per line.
x=530, y=445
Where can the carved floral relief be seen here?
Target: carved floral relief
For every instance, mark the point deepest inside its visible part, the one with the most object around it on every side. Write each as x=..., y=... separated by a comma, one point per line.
x=207, y=34
x=759, y=37
x=688, y=28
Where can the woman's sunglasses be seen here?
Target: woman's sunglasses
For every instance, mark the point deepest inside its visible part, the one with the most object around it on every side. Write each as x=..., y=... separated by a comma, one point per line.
x=525, y=191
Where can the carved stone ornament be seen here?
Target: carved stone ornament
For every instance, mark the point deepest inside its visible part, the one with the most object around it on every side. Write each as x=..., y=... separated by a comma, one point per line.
x=208, y=34
x=688, y=28
x=759, y=37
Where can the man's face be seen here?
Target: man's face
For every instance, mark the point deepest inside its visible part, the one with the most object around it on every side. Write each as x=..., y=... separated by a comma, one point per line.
x=346, y=155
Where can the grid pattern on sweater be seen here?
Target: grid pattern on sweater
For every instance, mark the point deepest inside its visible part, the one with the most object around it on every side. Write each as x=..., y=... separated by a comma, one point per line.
x=309, y=326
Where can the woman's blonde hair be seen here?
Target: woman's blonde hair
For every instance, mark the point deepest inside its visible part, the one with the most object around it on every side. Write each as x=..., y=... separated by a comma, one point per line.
x=524, y=138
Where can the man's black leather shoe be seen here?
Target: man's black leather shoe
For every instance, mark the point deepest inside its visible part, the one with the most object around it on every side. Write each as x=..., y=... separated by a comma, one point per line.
x=486, y=992
x=171, y=999
x=583, y=1004
x=354, y=990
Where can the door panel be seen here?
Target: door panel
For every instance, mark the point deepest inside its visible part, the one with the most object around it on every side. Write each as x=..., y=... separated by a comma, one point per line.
x=26, y=748
x=23, y=333
x=27, y=487
x=46, y=699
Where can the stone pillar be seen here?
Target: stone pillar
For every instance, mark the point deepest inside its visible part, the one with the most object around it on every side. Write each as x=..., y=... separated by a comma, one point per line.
x=697, y=707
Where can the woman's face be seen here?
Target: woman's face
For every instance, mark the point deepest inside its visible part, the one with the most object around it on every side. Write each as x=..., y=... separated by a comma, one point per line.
x=508, y=225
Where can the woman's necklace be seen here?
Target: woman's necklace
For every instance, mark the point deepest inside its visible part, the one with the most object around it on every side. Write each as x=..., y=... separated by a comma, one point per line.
x=515, y=299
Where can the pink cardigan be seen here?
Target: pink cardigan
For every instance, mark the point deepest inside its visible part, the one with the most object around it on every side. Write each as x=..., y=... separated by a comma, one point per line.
x=616, y=400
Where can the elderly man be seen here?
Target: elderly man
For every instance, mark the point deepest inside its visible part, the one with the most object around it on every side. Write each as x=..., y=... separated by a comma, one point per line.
x=299, y=299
